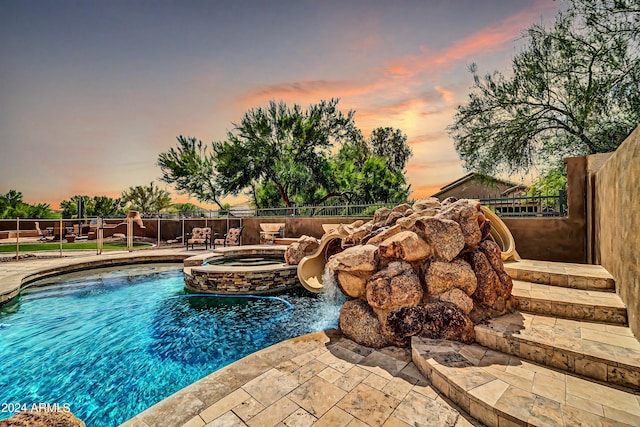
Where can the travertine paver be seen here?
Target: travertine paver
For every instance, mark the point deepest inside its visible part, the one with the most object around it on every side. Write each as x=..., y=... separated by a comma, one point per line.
x=320, y=379
x=516, y=392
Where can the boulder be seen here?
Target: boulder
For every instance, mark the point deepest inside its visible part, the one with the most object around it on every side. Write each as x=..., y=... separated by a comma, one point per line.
x=361, y=258
x=381, y=215
x=305, y=245
x=355, y=232
x=403, y=323
x=465, y=213
x=380, y=235
x=428, y=203
x=492, y=251
x=458, y=298
x=444, y=236
x=392, y=218
x=359, y=323
x=352, y=285
x=443, y=276
x=493, y=291
x=443, y=320
x=35, y=418
x=402, y=208
x=405, y=245
x=426, y=270
x=395, y=286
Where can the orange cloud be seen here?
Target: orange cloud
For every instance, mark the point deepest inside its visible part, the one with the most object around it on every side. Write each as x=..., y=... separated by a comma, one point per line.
x=311, y=90
x=489, y=39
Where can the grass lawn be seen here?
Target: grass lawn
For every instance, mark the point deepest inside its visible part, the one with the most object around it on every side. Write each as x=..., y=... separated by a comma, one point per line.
x=54, y=246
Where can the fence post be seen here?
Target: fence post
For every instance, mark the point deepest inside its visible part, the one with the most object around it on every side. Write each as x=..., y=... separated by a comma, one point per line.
x=61, y=234
x=129, y=233
x=158, y=231
x=561, y=199
x=17, y=238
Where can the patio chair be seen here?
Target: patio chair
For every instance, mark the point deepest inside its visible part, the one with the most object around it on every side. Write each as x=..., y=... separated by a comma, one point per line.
x=43, y=234
x=199, y=236
x=270, y=232
x=232, y=238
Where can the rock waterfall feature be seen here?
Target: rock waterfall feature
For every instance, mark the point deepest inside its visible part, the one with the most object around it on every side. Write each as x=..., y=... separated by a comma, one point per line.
x=426, y=270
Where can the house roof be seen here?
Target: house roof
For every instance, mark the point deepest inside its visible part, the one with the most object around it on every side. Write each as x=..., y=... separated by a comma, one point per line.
x=468, y=177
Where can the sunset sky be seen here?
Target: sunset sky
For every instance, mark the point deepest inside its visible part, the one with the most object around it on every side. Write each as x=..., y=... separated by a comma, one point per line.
x=92, y=91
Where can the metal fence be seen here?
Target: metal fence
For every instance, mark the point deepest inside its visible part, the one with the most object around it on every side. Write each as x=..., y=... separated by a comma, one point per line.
x=554, y=205
x=551, y=205
x=347, y=210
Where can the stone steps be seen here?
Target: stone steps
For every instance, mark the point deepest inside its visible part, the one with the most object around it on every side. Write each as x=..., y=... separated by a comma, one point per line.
x=569, y=303
x=602, y=352
x=499, y=389
x=566, y=275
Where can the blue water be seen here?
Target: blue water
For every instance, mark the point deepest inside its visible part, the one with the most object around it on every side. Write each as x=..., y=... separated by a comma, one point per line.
x=111, y=343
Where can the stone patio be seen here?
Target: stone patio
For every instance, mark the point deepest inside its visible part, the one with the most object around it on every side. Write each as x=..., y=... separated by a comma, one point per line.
x=320, y=379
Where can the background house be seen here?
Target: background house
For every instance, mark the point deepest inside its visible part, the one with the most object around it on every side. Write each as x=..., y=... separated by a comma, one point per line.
x=474, y=185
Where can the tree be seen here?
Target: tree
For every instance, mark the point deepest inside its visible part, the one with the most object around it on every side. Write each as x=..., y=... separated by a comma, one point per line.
x=285, y=155
x=190, y=168
x=372, y=170
x=186, y=209
x=376, y=182
x=148, y=200
x=286, y=147
x=575, y=90
x=391, y=144
x=102, y=206
x=549, y=182
x=12, y=206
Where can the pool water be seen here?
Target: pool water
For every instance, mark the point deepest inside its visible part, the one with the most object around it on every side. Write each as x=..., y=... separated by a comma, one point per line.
x=112, y=342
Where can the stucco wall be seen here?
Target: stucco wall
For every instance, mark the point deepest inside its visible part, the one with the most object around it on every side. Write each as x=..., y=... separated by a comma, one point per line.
x=547, y=239
x=617, y=223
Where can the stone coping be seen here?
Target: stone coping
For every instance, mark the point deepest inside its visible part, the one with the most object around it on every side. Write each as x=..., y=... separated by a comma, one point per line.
x=229, y=251
x=240, y=269
x=31, y=270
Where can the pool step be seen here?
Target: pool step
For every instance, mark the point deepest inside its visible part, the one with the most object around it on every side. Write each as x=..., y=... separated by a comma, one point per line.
x=569, y=303
x=602, y=352
x=566, y=275
x=499, y=389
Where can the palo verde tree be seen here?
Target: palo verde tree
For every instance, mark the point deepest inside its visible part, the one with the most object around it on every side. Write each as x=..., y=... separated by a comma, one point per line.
x=574, y=89
x=283, y=155
x=284, y=147
x=190, y=168
x=390, y=144
x=372, y=170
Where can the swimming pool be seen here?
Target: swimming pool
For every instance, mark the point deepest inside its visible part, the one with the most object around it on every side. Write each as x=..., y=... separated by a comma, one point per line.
x=111, y=342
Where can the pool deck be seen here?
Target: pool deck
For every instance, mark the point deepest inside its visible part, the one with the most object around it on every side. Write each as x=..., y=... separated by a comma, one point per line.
x=319, y=379
x=543, y=365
